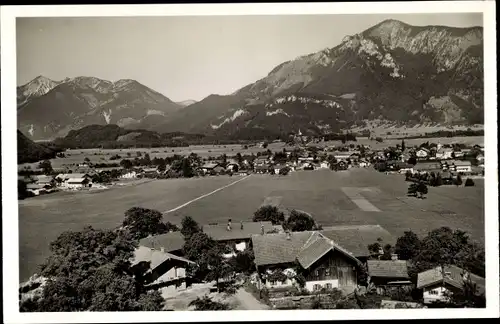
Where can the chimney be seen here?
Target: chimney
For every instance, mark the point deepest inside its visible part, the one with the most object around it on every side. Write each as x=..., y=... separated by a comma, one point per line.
x=394, y=257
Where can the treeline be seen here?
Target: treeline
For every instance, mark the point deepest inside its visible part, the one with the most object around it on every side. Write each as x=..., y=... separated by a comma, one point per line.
x=444, y=133
x=340, y=137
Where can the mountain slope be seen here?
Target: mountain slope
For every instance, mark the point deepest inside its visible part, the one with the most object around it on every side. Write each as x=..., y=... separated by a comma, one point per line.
x=29, y=151
x=48, y=109
x=392, y=72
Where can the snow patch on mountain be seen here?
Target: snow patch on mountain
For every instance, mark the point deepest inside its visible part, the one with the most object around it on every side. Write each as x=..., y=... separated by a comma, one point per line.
x=107, y=116
x=236, y=114
x=31, y=130
x=388, y=62
x=277, y=111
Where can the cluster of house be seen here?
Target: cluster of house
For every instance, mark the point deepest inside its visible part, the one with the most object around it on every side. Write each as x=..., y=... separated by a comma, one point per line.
x=441, y=152
x=328, y=258
x=444, y=167
x=45, y=184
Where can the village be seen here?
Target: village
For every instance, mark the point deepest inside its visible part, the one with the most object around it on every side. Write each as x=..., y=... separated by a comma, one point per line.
x=285, y=259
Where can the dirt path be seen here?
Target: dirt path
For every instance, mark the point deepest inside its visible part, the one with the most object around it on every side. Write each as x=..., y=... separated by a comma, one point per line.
x=247, y=301
x=205, y=195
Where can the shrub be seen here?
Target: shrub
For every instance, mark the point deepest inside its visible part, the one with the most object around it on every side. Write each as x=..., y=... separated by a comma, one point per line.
x=469, y=182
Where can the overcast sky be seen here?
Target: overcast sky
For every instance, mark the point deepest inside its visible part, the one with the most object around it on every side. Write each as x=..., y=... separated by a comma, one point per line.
x=188, y=57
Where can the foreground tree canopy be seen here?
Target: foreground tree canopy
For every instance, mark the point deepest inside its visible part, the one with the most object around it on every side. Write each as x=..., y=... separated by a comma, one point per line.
x=91, y=271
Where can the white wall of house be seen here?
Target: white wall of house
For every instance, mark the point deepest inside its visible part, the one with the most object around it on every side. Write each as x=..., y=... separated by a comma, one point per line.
x=466, y=168
x=129, y=175
x=433, y=294
x=422, y=153
x=312, y=285
x=241, y=246
x=277, y=284
x=75, y=185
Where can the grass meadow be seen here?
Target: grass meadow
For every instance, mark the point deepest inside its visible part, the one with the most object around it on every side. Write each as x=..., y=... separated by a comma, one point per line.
x=321, y=193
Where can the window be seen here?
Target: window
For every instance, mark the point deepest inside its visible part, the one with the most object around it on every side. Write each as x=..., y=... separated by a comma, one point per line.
x=327, y=271
x=317, y=287
x=328, y=286
x=316, y=273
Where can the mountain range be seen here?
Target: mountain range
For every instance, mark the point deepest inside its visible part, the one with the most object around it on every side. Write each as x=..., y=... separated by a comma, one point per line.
x=390, y=73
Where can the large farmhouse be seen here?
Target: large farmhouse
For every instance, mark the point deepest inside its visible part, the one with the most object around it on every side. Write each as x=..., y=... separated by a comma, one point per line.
x=322, y=262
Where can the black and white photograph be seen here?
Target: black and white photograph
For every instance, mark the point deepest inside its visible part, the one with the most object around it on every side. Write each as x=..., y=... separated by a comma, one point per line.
x=255, y=157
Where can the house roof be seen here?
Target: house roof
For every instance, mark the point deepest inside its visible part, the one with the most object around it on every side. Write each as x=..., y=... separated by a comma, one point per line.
x=427, y=166
x=44, y=179
x=387, y=268
x=210, y=165
x=172, y=241
x=76, y=180
x=316, y=247
x=462, y=163
x=276, y=248
x=454, y=278
x=219, y=232
x=306, y=247
x=356, y=238
x=156, y=257
x=73, y=175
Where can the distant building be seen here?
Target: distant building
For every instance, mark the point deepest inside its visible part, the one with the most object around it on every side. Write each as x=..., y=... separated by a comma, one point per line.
x=261, y=169
x=78, y=183
x=444, y=153
x=463, y=166
x=427, y=167
x=423, y=153
x=439, y=281
x=211, y=168
x=130, y=174
x=324, y=165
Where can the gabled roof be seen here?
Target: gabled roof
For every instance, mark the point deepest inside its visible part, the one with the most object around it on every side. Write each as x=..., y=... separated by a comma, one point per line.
x=172, y=241
x=316, y=247
x=451, y=275
x=209, y=165
x=156, y=257
x=219, y=232
x=305, y=247
x=388, y=268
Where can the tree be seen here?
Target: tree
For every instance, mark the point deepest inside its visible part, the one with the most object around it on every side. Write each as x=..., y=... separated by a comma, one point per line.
x=469, y=182
x=147, y=159
x=22, y=191
x=126, y=164
x=407, y=246
x=299, y=222
x=46, y=167
x=189, y=227
x=387, y=252
x=141, y=222
x=207, y=304
x=265, y=144
x=412, y=160
x=458, y=180
x=412, y=189
x=331, y=160
x=403, y=146
x=269, y=213
x=187, y=170
x=90, y=271
x=138, y=153
x=284, y=171
x=374, y=249
x=243, y=262
x=239, y=158
x=444, y=246
x=87, y=160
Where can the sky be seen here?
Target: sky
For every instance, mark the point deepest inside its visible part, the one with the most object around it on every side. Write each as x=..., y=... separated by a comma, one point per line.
x=188, y=57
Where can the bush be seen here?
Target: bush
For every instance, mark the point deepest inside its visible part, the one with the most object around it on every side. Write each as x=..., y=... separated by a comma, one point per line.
x=207, y=304
x=469, y=182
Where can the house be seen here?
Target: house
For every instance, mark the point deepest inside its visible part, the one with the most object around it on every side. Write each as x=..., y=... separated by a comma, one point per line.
x=324, y=165
x=323, y=262
x=480, y=158
x=261, y=169
x=341, y=165
x=129, y=174
x=78, y=183
x=385, y=274
x=262, y=160
x=211, y=168
x=463, y=166
x=232, y=167
x=342, y=156
x=171, y=242
x=278, y=167
x=149, y=172
x=237, y=236
x=439, y=281
x=427, y=167
x=423, y=153
x=35, y=188
x=355, y=156
x=165, y=269
x=308, y=166
x=45, y=181
x=444, y=153
x=62, y=178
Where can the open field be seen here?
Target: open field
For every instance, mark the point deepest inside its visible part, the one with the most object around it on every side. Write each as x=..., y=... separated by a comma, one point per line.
x=321, y=193
x=104, y=155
